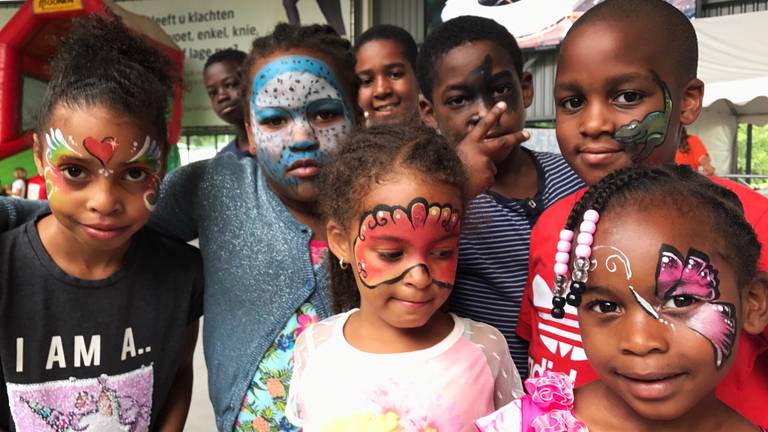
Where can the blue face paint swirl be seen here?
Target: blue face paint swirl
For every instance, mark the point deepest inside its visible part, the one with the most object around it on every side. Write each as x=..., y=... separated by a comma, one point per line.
x=298, y=114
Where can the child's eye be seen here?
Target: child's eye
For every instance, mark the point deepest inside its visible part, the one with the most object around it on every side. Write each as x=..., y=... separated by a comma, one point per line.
x=572, y=103
x=396, y=74
x=211, y=94
x=628, y=98
x=442, y=253
x=390, y=255
x=326, y=115
x=604, y=307
x=680, y=301
x=135, y=175
x=273, y=121
x=456, y=101
x=74, y=173
x=502, y=90
x=365, y=81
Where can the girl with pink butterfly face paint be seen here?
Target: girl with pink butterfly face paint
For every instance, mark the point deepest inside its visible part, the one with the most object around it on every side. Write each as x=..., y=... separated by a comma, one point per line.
x=661, y=267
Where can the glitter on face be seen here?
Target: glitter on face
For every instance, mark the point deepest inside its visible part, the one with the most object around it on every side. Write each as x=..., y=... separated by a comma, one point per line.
x=151, y=156
x=298, y=114
x=695, y=277
x=56, y=148
x=393, y=240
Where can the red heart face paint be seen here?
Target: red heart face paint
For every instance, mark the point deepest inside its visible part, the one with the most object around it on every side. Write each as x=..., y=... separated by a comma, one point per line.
x=393, y=240
x=102, y=150
x=681, y=280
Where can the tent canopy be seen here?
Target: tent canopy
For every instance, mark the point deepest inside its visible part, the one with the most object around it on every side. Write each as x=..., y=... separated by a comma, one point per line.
x=733, y=63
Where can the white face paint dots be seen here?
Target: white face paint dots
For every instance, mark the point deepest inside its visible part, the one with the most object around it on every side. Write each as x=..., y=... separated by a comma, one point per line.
x=298, y=114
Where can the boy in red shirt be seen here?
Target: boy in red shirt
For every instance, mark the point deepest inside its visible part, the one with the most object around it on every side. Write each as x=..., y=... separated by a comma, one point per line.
x=626, y=85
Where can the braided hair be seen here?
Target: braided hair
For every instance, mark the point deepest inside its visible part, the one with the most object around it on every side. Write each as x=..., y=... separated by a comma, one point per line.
x=316, y=37
x=366, y=158
x=681, y=188
x=101, y=63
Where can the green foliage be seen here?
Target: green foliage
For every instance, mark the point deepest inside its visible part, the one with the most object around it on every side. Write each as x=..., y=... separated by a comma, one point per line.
x=759, y=152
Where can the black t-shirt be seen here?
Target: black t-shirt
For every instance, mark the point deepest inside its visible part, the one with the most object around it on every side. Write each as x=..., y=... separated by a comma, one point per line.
x=92, y=355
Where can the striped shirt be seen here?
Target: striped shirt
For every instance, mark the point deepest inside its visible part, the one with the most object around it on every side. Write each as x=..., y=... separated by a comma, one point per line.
x=493, y=252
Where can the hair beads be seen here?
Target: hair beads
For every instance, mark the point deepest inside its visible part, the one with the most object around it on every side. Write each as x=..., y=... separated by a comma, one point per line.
x=580, y=265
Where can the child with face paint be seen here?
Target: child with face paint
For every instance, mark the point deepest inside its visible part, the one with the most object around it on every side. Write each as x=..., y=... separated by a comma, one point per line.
x=626, y=84
x=261, y=235
x=388, y=92
x=475, y=93
x=90, y=299
x=663, y=268
x=396, y=360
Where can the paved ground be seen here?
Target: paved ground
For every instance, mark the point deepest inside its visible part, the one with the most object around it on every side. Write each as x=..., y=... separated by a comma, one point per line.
x=200, y=417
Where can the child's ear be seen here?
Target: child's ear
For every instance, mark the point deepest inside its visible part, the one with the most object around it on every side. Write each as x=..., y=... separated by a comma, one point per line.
x=690, y=106
x=249, y=134
x=427, y=112
x=755, y=304
x=37, y=152
x=337, y=241
x=526, y=85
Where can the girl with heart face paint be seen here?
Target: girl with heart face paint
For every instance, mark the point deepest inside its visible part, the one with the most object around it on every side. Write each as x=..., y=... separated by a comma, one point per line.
x=394, y=236
x=88, y=265
x=260, y=232
x=662, y=292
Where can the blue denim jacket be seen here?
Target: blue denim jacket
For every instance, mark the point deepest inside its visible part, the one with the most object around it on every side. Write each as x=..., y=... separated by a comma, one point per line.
x=257, y=264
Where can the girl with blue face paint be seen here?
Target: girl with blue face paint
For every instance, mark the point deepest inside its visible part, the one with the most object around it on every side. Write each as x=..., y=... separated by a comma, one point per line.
x=298, y=112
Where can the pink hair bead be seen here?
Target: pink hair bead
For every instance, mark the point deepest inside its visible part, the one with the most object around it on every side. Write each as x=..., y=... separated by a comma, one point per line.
x=591, y=215
x=563, y=246
x=562, y=257
x=561, y=269
x=588, y=227
x=566, y=235
x=583, y=251
x=584, y=238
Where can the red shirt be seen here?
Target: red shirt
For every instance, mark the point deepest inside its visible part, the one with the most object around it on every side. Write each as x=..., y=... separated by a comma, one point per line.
x=36, y=188
x=556, y=344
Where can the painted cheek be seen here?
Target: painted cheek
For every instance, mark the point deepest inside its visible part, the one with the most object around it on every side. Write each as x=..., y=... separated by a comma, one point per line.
x=697, y=278
x=150, y=194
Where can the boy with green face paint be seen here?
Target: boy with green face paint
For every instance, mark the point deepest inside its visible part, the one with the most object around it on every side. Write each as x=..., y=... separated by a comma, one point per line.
x=626, y=84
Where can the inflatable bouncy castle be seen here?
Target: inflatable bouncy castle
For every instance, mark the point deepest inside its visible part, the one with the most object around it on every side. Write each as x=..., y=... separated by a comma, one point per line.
x=28, y=42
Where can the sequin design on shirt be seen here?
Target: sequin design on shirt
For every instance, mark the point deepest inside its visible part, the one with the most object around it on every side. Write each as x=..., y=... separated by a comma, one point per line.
x=106, y=403
x=263, y=407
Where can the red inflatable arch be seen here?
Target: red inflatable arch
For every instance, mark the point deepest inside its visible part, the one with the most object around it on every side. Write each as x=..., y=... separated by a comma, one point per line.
x=27, y=43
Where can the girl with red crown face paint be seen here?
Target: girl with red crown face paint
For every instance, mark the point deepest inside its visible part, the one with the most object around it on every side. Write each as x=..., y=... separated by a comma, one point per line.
x=394, y=236
x=660, y=292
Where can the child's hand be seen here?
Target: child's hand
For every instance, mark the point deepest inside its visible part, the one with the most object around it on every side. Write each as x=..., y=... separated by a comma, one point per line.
x=480, y=155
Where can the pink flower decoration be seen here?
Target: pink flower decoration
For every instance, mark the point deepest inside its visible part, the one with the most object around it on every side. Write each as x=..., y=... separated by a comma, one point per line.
x=551, y=391
x=558, y=421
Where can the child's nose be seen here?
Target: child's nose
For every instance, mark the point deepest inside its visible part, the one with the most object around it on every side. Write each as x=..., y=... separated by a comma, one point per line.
x=418, y=276
x=104, y=198
x=595, y=120
x=302, y=131
x=642, y=334
x=382, y=88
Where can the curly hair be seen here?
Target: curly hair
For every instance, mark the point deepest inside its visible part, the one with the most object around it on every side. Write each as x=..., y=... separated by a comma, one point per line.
x=367, y=158
x=100, y=62
x=679, y=188
x=316, y=37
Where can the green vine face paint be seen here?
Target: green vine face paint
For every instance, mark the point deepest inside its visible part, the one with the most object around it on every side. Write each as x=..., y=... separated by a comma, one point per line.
x=641, y=137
